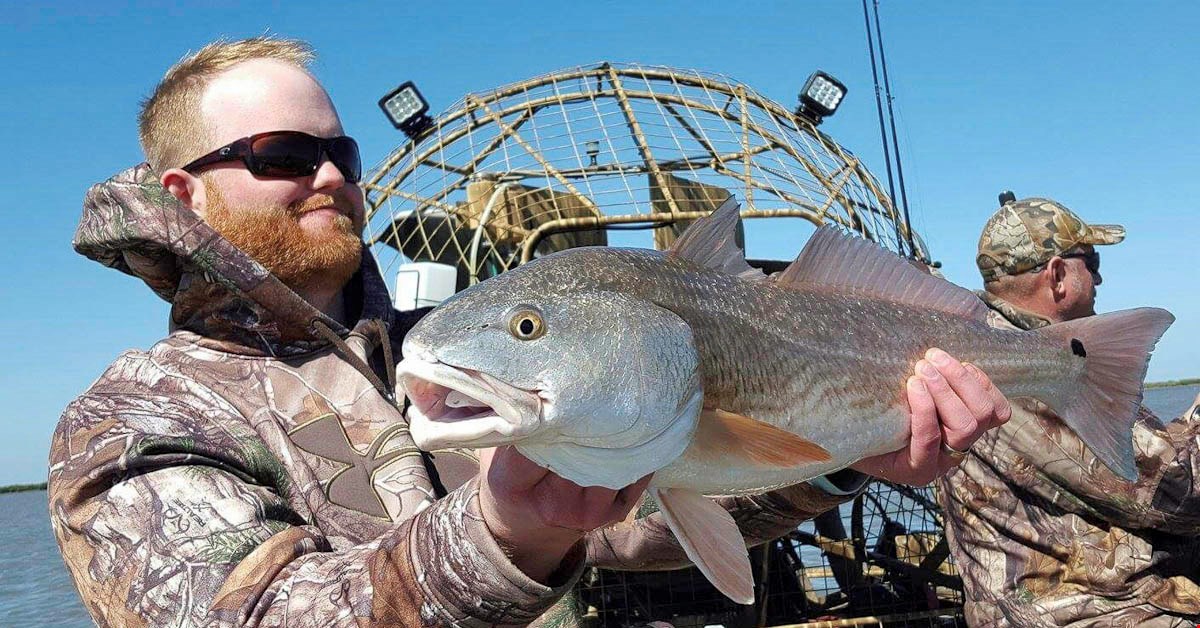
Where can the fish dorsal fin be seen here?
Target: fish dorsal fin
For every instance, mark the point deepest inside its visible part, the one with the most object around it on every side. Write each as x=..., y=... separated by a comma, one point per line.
x=711, y=539
x=712, y=242
x=722, y=434
x=833, y=259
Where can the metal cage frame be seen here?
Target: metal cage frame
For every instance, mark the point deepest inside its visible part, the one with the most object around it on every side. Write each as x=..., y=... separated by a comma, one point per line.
x=585, y=136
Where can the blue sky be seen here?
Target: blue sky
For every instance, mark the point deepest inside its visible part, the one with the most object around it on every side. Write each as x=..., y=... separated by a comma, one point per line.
x=1093, y=104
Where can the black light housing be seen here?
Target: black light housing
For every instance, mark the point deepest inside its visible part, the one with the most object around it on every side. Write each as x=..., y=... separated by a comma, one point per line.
x=820, y=96
x=1007, y=197
x=407, y=109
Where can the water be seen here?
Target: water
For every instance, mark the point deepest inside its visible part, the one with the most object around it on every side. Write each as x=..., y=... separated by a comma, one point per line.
x=1169, y=403
x=35, y=588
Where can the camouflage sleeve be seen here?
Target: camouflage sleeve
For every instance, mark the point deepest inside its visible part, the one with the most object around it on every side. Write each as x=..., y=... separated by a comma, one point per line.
x=187, y=529
x=1040, y=453
x=646, y=543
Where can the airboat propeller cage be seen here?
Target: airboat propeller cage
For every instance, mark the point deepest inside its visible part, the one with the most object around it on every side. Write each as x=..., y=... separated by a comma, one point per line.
x=577, y=156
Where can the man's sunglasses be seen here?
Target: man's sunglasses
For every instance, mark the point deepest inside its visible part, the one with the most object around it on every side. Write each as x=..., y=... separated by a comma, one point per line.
x=287, y=154
x=1091, y=259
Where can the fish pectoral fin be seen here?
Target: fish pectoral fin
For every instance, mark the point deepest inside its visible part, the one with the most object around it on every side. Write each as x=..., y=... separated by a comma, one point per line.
x=722, y=434
x=711, y=539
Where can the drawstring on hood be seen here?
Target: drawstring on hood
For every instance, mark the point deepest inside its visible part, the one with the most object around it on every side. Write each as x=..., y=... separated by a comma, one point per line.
x=380, y=329
x=388, y=361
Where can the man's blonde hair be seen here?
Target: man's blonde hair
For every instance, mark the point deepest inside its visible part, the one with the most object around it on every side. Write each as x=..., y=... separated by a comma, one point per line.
x=169, y=125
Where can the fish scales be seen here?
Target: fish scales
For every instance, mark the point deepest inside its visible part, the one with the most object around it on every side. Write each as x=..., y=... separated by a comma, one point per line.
x=809, y=330
x=820, y=364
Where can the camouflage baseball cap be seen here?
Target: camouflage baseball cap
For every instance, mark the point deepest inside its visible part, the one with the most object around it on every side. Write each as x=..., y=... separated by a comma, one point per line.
x=1025, y=234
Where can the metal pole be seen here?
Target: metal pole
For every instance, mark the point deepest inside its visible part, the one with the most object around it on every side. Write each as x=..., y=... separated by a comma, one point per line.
x=483, y=221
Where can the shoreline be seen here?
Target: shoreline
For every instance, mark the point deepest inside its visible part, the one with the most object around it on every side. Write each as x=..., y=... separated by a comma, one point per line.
x=1171, y=383
x=21, y=488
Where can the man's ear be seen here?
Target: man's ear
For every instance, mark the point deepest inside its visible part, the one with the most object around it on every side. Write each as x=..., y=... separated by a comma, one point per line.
x=1056, y=273
x=186, y=187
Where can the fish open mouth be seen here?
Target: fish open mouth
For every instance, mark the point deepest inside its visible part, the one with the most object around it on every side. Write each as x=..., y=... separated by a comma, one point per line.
x=457, y=407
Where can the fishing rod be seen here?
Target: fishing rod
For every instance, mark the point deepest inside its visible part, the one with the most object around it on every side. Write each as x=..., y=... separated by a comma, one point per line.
x=907, y=236
x=887, y=159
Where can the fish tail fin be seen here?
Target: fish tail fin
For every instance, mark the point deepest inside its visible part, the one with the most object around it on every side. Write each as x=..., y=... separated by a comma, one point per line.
x=1116, y=350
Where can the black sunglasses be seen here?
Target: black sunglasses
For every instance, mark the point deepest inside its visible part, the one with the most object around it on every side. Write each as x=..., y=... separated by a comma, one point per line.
x=287, y=154
x=1091, y=259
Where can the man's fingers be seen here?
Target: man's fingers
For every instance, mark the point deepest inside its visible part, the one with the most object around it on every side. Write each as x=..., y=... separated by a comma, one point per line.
x=961, y=400
x=564, y=504
x=926, y=438
x=971, y=389
x=629, y=496
x=1002, y=410
x=507, y=469
x=611, y=506
x=600, y=507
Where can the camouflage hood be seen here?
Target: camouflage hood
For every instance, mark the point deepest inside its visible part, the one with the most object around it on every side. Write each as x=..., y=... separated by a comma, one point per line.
x=131, y=223
x=1020, y=317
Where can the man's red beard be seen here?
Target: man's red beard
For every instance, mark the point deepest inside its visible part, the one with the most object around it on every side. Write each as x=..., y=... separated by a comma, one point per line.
x=301, y=259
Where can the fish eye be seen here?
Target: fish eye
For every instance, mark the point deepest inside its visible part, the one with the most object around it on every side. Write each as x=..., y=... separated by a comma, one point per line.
x=526, y=324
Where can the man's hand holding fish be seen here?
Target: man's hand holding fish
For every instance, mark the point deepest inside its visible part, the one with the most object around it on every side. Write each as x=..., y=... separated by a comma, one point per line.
x=952, y=405
x=537, y=516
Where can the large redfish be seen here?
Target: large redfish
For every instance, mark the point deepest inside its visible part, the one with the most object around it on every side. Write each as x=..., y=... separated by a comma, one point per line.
x=605, y=365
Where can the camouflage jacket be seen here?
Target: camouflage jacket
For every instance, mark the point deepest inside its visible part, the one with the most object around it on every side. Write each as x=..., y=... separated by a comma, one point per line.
x=248, y=469
x=1045, y=535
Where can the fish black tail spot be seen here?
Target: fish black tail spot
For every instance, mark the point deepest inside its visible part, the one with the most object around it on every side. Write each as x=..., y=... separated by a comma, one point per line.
x=1077, y=348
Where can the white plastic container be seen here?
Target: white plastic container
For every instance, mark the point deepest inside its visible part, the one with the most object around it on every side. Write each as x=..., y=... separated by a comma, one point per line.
x=421, y=284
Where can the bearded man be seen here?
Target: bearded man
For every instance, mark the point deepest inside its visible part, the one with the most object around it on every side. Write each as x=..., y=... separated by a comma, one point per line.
x=254, y=466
